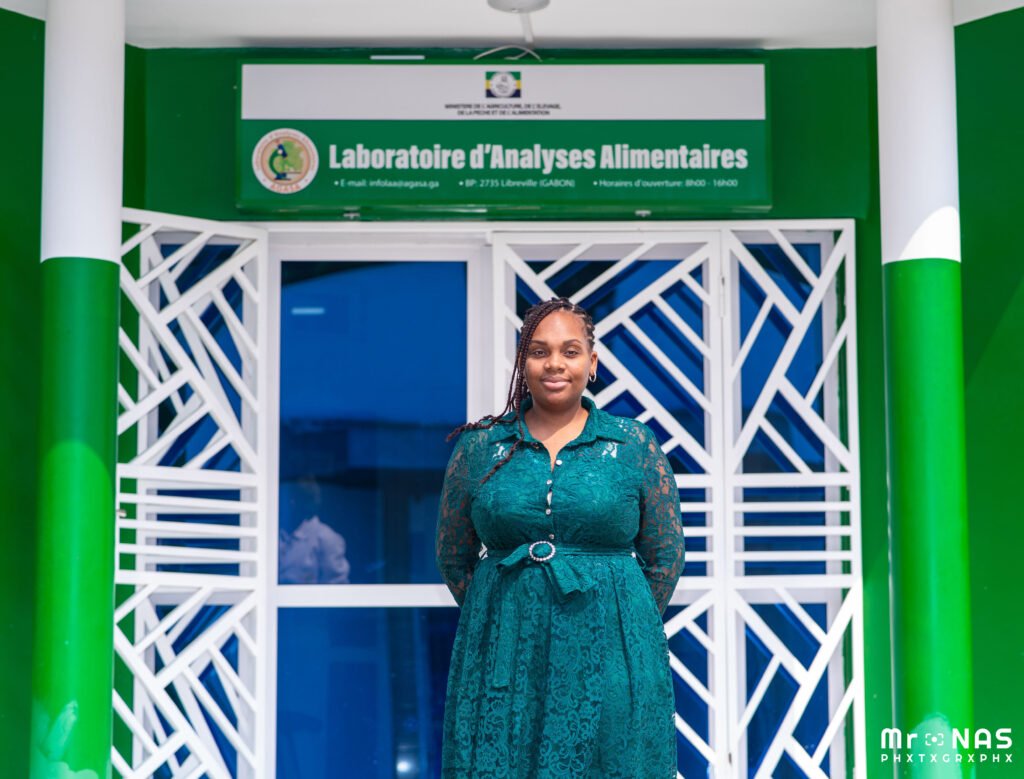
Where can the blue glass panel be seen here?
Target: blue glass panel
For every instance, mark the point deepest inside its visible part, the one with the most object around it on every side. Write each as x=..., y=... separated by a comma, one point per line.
x=782, y=689
x=192, y=441
x=361, y=691
x=680, y=351
x=373, y=378
x=778, y=696
x=808, y=358
x=655, y=379
x=751, y=299
x=577, y=275
x=693, y=495
x=211, y=680
x=787, y=768
x=766, y=348
x=684, y=301
x=209, y=257
x=762, y=357
x=206, y=260
x=624, y=404
x=797, y=433
x=689, y=705
x=695, y=544
x=678, y=457
x=785, y=624
x=525, y=298
x=787, y=518
x=787, y=278
x=626, y=285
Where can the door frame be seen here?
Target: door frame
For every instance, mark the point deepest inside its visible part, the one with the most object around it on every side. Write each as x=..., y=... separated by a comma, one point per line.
x=472, y=242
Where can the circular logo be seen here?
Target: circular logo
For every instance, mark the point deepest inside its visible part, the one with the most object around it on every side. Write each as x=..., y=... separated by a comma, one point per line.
x=503, y=84
x=285, y=161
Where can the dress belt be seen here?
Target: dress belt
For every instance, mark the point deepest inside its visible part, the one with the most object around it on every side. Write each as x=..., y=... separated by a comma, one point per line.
x=565, y=578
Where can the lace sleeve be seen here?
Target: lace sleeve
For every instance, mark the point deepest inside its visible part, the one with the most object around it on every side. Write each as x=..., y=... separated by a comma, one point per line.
x=457, y=547
x=660, y=541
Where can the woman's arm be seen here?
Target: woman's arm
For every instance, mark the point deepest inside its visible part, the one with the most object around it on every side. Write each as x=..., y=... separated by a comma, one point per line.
x=456, y=547
x=660, y=540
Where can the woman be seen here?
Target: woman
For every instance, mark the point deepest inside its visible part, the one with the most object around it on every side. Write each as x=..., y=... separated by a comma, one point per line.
x=560, y=663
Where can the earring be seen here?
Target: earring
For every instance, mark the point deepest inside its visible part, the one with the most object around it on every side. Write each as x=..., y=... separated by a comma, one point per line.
x=593, y=377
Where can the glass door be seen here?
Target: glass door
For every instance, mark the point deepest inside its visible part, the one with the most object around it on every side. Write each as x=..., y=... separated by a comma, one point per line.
x=734, y=342
x=375, y=351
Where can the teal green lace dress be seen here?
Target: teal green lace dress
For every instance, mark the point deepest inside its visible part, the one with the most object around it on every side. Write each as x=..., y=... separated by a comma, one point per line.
x=560, y=663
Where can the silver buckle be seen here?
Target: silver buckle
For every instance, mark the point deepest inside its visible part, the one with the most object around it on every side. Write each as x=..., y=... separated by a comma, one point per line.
x=544, y=559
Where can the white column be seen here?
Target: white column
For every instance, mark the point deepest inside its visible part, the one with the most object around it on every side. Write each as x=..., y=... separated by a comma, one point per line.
x=73, y=661
x=926, y=452
x=83, y=129
x=917, y=130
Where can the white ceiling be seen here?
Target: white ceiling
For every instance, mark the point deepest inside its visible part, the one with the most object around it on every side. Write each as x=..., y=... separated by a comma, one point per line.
x=456, y=23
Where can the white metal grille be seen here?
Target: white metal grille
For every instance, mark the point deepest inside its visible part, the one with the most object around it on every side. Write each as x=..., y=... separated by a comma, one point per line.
x=737, y=347
x=766, y=459
x=189, y=626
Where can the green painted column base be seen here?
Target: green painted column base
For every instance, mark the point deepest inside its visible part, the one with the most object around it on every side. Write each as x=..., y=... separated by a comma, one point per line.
x=928, y=511
x=73, y=653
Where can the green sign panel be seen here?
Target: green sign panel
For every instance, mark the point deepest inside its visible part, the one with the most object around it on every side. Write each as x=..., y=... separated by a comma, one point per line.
x=624, y=139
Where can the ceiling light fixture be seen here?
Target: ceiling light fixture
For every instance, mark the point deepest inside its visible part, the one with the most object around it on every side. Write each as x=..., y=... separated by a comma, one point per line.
x=523, y=8
x=518, y=6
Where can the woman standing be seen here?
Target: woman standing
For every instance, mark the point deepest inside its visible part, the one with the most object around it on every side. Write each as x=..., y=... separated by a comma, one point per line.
x=560, y=663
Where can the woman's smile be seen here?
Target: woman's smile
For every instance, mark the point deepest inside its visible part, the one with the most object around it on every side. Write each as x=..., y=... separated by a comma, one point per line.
x=555, y=383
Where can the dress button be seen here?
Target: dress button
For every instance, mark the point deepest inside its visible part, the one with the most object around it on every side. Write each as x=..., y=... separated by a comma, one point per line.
x=558, y=462
x=551, y=536
x=549, y=481
x=547, y=511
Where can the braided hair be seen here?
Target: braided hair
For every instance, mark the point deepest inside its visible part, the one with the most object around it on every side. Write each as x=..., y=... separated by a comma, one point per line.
x=518, y=389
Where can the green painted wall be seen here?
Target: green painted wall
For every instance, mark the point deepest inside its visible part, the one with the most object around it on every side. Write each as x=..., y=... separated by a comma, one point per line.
x=990, y=124
x=21, y=84
x=192, y=172
x=179, y=135
x=195, y=177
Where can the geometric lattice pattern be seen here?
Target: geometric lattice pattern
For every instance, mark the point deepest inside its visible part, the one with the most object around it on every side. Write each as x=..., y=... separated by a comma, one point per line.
x=791, y=523
x=190, y=622
x=737, y=348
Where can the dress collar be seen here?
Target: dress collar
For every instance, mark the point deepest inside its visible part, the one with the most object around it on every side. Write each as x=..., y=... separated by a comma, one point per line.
x=599, y=424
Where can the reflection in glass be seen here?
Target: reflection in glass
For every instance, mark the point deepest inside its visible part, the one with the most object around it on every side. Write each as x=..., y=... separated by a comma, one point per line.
x=361, y=691
x=314, y=552
x=373, y=377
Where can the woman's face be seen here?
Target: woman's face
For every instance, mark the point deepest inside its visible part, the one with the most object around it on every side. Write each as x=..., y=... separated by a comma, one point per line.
x=558, y=360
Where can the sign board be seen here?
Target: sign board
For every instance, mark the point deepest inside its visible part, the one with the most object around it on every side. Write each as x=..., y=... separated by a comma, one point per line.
x=503, y=139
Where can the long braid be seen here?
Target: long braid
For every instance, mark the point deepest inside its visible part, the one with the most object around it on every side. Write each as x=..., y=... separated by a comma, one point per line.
x=518, y=389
